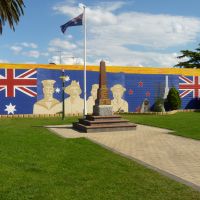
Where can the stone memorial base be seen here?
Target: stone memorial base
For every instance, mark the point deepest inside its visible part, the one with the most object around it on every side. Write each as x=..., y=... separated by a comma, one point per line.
x=103, y=119
x=92, y=124
x=102, y=110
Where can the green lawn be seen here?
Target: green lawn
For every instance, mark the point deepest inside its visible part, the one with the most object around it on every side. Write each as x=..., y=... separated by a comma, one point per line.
x=184, y=124
x=38, y=165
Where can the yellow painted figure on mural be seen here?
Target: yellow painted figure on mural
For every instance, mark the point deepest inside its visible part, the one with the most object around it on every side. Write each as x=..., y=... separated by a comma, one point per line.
x=74, y=104
x=119, y=104
x=92, y=98
x=47, y=105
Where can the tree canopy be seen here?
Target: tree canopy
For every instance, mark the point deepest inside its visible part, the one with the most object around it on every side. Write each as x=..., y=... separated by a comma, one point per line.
x=193, y=56
x=10, y=11
x=193, y=59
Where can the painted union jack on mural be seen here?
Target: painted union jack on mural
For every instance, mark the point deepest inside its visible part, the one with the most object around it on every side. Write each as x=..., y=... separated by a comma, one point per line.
x=25, y=82
x=189, y=85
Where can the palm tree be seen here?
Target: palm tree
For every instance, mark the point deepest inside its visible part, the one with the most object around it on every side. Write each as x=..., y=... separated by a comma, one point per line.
x=10, y=11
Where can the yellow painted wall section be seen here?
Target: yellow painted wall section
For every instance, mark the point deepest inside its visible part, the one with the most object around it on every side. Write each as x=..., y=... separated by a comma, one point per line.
x=113, y=69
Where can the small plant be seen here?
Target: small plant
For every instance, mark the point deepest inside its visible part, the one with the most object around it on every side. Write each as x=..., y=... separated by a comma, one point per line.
x=159, y=105
x=173, y=99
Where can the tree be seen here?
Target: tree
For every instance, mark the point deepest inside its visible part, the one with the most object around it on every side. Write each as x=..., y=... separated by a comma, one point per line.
x=10, y=11
x=173, y=99
x=193, y=56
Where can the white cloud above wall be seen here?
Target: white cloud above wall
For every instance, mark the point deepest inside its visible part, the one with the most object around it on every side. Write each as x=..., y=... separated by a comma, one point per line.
x=57, y=43
x=70, y=52
x=28, y=50
x=4, y=61
x=16, y=49
x=64, y=60
x=116, y=36
x=136, y=28
x=30, y=45
x=32, y=53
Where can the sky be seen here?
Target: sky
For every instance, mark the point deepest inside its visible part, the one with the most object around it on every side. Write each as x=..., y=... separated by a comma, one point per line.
x=144, y=33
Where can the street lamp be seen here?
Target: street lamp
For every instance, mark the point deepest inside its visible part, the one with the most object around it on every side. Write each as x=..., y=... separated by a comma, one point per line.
x=63, y=78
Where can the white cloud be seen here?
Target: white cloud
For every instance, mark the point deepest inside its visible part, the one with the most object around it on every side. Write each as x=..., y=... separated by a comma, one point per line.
x=61, y=44
x=111, y=6
x=20, y=47
x=3, y=61
x=30, y=45
x=65, y=59
x=44, y=54
x=97, y=15
x=115, y=36
x=33, y=45
x=69, y=36
x=124, y=57
x=67, y=9
x=33, y=54
x=52, y=49
x=16, y=49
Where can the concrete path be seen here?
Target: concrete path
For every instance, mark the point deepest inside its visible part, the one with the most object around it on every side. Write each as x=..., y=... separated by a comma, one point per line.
x=171, y=155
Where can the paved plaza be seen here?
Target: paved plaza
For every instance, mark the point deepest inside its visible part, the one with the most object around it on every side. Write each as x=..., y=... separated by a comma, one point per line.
x=174, y=156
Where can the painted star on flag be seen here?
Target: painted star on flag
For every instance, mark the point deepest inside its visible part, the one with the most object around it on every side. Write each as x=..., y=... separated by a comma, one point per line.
x=57, y=90
x=10, y=109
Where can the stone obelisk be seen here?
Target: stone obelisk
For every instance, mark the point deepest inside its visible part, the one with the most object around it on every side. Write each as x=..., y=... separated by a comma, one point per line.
x=102, y=105
x=102, y=119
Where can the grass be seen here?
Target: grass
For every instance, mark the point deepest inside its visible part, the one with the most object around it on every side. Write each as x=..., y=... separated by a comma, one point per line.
x=38, y=165
x=184, y=124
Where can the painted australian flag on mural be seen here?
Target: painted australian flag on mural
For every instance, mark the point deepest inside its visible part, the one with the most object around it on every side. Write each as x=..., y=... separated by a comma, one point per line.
x=189, y=87
x=18, y=90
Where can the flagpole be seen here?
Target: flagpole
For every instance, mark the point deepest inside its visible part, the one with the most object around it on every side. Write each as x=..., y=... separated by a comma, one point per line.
x=76, y=22
x=85, y=78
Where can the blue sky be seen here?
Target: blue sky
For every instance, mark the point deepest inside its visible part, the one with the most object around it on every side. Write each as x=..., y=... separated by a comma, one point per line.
x=132, y=32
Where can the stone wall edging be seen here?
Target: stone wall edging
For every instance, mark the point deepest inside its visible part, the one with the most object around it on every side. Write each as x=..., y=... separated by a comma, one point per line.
x=36, y=115
x=164, y=113
x=60, y=115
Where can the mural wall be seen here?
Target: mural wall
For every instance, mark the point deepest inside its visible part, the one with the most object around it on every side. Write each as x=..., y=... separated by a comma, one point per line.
x=39, y=91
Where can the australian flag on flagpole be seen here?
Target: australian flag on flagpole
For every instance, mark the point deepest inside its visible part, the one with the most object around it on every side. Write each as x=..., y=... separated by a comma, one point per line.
x=77, y=21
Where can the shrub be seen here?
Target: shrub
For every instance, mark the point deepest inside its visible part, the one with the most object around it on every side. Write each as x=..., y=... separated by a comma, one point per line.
x=173, y=99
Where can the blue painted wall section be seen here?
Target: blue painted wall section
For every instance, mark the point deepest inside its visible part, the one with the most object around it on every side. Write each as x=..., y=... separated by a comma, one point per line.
x=20, y=89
